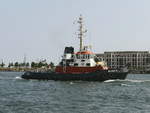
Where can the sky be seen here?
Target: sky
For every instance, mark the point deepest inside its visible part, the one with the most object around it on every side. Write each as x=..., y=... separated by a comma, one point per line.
x=40, y=29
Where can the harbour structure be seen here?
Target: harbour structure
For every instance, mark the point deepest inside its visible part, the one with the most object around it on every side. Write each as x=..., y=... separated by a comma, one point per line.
x=136, y=60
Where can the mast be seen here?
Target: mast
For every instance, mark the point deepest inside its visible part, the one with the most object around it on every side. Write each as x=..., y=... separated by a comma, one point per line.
x=81, y=32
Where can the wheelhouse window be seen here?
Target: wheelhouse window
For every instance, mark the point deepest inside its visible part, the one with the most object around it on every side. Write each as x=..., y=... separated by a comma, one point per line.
x=88, y=56
x=81, y=56
x=84, y=56
x=78, y=56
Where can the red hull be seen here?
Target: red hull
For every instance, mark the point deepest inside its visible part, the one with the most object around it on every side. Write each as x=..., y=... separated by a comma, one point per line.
x=76, y=70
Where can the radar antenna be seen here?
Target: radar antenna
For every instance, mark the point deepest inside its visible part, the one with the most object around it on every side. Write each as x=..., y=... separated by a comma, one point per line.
x=81, y=32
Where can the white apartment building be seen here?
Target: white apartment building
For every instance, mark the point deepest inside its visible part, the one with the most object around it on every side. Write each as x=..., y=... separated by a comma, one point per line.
x=134, y=59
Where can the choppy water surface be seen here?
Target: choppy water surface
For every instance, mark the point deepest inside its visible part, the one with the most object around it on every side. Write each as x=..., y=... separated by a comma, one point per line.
x=32, y=96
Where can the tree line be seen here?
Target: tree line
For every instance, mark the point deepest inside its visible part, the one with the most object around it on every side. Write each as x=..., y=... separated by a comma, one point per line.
x=28, y=65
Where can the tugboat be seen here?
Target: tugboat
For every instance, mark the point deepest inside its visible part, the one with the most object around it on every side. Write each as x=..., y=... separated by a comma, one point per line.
x=82, y=65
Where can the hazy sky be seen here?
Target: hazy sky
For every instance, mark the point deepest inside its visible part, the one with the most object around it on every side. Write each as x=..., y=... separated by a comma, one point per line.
x=42, y=28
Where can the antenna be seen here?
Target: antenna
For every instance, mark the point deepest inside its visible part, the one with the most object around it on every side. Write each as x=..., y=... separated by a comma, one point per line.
x=81, y=32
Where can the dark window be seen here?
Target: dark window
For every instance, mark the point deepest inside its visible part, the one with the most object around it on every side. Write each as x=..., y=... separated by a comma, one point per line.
x=72, y=56
x=82, y=60
x=84, y=56
x=88, y=56
x=78, y=57
x=88, y=64
x=75, y=64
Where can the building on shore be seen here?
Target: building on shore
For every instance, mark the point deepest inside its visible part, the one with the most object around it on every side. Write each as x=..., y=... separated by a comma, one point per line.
x=136, y=60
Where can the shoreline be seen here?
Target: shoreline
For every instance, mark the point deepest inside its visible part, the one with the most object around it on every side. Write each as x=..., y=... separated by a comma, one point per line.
x=23, y=69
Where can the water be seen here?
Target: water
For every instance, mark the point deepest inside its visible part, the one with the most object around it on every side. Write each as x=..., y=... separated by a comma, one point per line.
x=113, y=96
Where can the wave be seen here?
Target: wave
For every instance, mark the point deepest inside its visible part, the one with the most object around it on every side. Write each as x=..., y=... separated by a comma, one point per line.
x=137, y=81
x=125, y=85
x=18, y=78
x=127, y=80
x=110, y=81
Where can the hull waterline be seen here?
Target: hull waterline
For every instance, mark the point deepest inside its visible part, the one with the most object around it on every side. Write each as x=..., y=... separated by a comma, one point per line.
x=93, y=76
